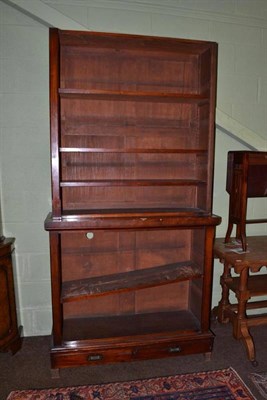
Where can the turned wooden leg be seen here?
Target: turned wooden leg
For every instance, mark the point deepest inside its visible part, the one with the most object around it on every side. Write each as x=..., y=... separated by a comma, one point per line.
x=224, y=302
x=243, y=296
x=241, y=330
x=249, y=343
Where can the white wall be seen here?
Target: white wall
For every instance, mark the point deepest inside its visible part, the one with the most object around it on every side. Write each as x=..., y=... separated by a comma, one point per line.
x=24, y=161
x=240, y=28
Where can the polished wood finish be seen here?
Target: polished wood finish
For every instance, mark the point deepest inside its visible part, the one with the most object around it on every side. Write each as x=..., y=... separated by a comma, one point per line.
x=246, y=286
x=131, y=229
x=246, y=178
x=9, y=331
x=124, y=281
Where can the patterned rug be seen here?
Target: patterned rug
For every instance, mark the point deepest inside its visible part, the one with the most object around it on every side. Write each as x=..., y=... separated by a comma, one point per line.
x=213, y=385
x=260, y=381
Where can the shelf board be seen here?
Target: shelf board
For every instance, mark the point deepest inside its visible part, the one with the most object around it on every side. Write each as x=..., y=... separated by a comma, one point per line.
x=133, y=182
x=131, y=280
x=132, y=95
x=129, y=150
x=114, y=328
x=130, y=218
x=136, y=212
x=129, y=123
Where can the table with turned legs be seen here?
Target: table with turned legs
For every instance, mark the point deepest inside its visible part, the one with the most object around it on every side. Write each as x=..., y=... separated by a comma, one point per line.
x=248, y=282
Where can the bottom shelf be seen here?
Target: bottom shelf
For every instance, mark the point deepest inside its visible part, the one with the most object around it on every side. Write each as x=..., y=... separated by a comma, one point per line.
x=130, y=338
x=120, y=327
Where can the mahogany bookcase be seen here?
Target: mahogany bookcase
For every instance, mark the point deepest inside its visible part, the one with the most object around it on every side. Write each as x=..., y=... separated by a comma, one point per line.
x=131, y=228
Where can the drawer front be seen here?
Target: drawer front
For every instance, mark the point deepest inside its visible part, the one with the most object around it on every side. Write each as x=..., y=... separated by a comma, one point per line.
x=173, y=349
x=159, y=350
x=61, y=357
x=70, y=358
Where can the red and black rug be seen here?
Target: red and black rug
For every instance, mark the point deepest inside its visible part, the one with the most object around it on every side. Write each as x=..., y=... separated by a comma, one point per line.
x=212, y=385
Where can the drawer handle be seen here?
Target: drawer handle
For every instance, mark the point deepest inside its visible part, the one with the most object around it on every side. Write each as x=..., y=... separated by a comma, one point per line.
x=95, y=357
x=176, y=349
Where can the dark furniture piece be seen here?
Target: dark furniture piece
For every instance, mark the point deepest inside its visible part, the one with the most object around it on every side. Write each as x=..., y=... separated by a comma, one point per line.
x=9, y=331
x=131, y=229
x=246, y=286
x=246, y=178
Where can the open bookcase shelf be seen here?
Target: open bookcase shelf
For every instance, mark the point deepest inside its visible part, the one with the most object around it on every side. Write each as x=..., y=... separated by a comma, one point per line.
x=132, y=280
x=135, y=151
x=132, y=96
x=113, y=326
x=132, y=182
x=131, y=228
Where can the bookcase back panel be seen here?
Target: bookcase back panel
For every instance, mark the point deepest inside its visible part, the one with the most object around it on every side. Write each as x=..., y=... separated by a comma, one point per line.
x=138, y=137
x=156, y=299
x=109, y=116
x=93, y=167
x=111, y=252
x=93, y=198
x=173, y=297
x=124, y=69
x=139, y=134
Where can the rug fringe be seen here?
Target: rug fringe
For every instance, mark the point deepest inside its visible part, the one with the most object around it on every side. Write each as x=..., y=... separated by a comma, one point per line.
x=260, y=381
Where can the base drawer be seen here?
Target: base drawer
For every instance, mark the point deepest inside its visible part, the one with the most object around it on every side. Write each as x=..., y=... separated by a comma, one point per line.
x=62, y=357
x=173, y=349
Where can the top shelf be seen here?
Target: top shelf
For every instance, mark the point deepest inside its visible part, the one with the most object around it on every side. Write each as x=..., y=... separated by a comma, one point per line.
x=120, y=42
x=133, y=95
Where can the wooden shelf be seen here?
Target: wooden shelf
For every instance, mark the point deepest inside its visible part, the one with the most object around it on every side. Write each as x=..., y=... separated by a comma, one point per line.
x=118, y=219
x=117, y=326
x=126, y=122
x=132, y=280
x=136, y=212
x=132, y=95
x=132, y=182
x=135, y=151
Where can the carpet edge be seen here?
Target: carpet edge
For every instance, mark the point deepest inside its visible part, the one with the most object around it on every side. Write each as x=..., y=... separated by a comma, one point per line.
x=140, y=381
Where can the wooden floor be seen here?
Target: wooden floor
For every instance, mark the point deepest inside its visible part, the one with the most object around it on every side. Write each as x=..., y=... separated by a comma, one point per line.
x=30, y=368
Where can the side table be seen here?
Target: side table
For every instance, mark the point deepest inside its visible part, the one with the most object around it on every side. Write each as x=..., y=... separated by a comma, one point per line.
x=246, y=178
x=246, y=285
x=10, y=338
